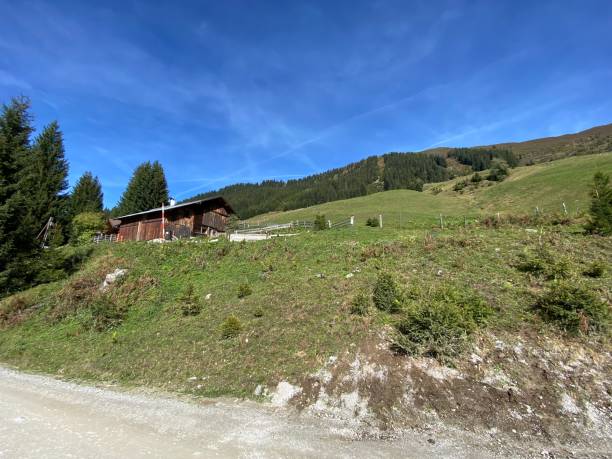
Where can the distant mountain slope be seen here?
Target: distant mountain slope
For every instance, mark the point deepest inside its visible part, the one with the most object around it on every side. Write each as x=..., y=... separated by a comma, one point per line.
x=545, y=185
x=594, y=140
x=405, y=170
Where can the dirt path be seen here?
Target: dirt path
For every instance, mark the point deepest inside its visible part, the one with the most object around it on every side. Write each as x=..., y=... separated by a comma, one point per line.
x=43, y=417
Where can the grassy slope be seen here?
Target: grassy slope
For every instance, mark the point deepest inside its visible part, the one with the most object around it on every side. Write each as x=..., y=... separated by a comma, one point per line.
x=305, y=318
x=306, y=315
x=545, y=185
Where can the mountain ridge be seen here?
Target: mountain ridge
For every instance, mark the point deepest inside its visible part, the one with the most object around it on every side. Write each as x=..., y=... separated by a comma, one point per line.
x=402, y=170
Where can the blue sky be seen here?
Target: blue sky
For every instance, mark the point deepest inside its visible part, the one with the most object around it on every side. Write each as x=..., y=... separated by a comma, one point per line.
x=229, y=91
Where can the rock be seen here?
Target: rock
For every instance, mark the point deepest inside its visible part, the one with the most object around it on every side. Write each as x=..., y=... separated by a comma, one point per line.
x=531, y=230
x=193, y=378
x=475, y=359
x=431, y=441
x=111, y=278
x=439, y=273
x=208, y=296
x=349, y=275
x=284, y=392
x=320, y=275
x=258, y=390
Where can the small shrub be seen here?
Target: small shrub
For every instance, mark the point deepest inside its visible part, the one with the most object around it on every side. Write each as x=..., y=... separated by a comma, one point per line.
x=543, y=263
x=105, y=314
x=386, y=295
x=360, y=305
x=476, y=178
x=573, y=308
x=231, y=327
x=373, y=222
x=595, y=269
x=440, y=327
x=244, y=290
x=190, y=306
x=259, y=312
x=13, y=310
x=320, y=223
x=436, y=190
x=460, y=185
x=499, y=170
x=432, y=329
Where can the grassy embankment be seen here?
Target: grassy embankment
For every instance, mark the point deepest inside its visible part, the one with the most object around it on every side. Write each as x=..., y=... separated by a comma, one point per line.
x=299, y=311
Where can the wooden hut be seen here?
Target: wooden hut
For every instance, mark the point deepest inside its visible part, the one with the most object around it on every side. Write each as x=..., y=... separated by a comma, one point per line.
x=205, y=217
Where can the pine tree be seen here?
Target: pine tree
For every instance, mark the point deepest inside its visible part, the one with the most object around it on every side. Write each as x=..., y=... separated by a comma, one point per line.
x=44, y=180
x=146, y=190
x=15, y=130
x=87, y=195
x=600, y=218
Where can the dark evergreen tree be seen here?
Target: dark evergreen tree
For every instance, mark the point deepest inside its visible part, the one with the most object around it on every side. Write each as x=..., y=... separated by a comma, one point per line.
x=15, y=130
x=87, y=195
x=146, y=190
x=600, y=218
x=44, y=180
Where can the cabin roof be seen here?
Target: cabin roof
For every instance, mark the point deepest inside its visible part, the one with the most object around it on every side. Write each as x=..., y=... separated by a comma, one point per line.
x=184, y=204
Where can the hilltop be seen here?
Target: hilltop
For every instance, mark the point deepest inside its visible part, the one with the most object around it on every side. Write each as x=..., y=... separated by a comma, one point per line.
x=404, y=170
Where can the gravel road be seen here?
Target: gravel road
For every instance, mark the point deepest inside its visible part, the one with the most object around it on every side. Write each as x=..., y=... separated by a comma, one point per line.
x=41, y=417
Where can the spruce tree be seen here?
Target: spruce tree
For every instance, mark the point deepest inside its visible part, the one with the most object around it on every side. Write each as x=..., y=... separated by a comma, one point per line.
x=146, y=190
x=44, y=180
x=87, y=195
x=600, y=218
x=15, y=130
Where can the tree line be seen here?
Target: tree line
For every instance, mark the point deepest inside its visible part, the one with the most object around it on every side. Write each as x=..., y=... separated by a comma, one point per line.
x=390, y=171
x=37, y=211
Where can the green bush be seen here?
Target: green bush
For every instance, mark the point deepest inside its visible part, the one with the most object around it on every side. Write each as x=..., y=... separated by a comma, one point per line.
x=460, y=185
x=574, y=308
x=543, y=263
x=190, y=306
x=476, y=178
x=244, y=290
x=373, y=222
x=231, y=327
x=440, y=328
x=595, y=269
x=86, y=225
x=600, y=212
x=386, y=295
x=360, y=305
x=320, y=223
x=499, y=170
x=105, y=314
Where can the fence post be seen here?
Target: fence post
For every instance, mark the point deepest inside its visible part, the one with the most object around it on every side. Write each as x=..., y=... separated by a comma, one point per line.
x=465, y=222
x=441, y=222
x=380, y=220
x=352, y=220
x=329, y=223
x=564, y=209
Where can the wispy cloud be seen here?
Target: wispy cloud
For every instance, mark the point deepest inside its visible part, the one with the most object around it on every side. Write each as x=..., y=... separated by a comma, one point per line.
x=7, y=79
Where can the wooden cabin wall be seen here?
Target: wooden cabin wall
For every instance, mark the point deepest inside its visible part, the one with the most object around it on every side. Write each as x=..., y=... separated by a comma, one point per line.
x=128, y=232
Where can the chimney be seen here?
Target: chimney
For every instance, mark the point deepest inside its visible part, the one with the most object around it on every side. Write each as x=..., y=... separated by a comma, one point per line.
x=172, y=202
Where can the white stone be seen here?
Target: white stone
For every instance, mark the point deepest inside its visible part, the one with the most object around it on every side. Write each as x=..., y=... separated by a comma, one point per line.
x=111, y=278
x=284, y=392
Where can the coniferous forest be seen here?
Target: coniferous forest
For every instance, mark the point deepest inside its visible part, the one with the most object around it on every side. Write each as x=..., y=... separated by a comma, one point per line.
x=391, y=171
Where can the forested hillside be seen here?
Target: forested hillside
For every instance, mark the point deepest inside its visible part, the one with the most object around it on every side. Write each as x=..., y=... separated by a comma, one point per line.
x=392, y=171
x=409, y=171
